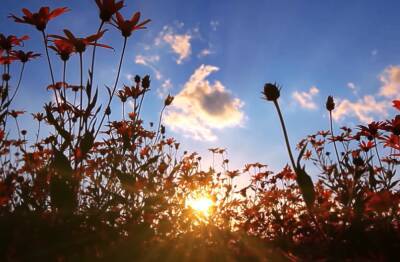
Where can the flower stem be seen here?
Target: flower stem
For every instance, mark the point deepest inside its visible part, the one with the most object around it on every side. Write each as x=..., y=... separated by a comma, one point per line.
x=50, y=67
x=334, y=142
x=114, y=88
x=285, y=134
x=19, y=82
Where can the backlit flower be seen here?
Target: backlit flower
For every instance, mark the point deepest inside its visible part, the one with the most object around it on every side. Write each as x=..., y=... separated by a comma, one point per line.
x=271, y=92
x=7, y=43
x=108, y=8
x=128, y=26
x=62, y=48
x=79, y=43
x=24, y=57
x=39, y=19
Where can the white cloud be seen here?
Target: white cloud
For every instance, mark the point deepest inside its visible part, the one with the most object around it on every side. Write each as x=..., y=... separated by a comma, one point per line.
x=203, y=107
x=179, y=43
x=214, y=25
x=305, y=99
x=165, y=88
x=352, y=87
x=391, y=82
x=365, y=109
x=149, y=61
x=374, y=52
x=204, y=52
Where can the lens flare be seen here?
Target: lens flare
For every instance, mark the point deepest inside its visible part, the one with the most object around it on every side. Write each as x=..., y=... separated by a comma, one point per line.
x=202, y=205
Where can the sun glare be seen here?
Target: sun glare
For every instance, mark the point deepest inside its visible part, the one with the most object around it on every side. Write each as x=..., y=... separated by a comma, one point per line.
x=201, y=205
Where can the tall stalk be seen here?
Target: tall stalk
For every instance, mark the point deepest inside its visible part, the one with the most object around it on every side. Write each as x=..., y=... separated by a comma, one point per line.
x=334, y=142
x=114, y=88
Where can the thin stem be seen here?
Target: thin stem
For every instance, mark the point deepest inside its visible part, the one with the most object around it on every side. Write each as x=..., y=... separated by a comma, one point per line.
x=94, y=55
x=115, y=87
x=285, y=134
x=49, y=62
x=19, y=82
x=159, y=125
x=334, y=141
x=379, y=158
x=81, y=90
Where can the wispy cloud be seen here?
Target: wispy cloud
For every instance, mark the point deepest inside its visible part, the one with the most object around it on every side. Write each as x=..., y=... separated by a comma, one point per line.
x=214, y=25
x=179, y=43
x=165, y=88
x=149, y=61
x=391, y=82
x=364, y=109
x=306, y=99
x=202, y=107
x=352, y=87
x=204, y=52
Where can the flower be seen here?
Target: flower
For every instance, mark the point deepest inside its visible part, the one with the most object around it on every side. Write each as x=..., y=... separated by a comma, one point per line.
x=7, y=43
x=371, y=131
x=15, y=113
x=330, y=103
x=271, y=92
x=39, y=19
x=24, y=57
x=128, y=26
x=393, y=125
x=108, y=8
x=63, y=49
x=168, y=100
x=78, y=43
x=396, y=104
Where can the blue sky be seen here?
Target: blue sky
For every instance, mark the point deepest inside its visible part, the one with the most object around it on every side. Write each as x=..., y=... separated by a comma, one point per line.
x=215, y=57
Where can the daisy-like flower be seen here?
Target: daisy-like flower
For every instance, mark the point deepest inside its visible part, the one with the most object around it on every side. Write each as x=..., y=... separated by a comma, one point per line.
x=24, y=57
x=39, y=19
x=79, y=44
x=62, y=48
x=108, y=8
x=7, y=43
x=128, y=26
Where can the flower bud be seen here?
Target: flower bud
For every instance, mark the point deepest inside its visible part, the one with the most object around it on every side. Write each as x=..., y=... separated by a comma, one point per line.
x=168, y=100
x=271, y=92
x=108, y=111
x=137, y=79
x=6, y=77
x=146, y=82
x=330, y=103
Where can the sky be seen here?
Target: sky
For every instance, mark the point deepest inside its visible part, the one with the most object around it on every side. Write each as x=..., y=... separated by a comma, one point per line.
x=215, y=57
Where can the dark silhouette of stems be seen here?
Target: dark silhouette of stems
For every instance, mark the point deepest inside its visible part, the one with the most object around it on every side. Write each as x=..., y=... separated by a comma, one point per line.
x=114, y=88
x=334, y=142
x=285, y=134
x=19, y=82
x=94, y=55
x=49, y=62
x=379, y=158
x=159, y=125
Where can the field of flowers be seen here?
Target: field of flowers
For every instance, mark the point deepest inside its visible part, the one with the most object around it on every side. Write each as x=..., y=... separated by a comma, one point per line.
x=102, y=189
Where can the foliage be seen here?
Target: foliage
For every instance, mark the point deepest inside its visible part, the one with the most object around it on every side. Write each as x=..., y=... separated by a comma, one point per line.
x=95, y=188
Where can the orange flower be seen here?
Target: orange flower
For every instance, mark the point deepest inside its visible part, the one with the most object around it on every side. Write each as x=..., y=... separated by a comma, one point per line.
x=108, y=8
x=15, y=114
x=7, y=43
x=78, y=43
x=39, y=19
x=24, y=57
x=128, y=26
x=396, y=104
x=63, y=49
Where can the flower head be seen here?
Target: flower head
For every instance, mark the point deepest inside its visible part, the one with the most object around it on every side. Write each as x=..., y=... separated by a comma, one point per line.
x=168, y=100
x=24, y=57
x=128, y=26
x=108, y=8
x=330, y=103
x=39, y=19
x=79, y=44
x=7, y=43
x=271, y=92
x=63, y=48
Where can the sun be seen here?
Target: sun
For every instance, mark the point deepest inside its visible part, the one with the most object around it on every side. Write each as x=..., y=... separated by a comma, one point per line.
x=200, y=204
